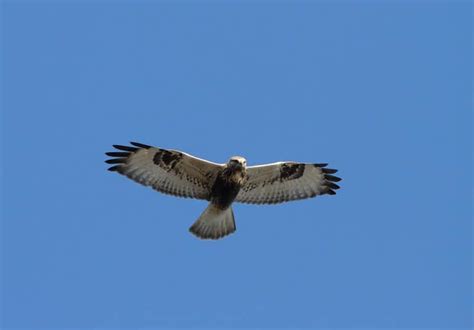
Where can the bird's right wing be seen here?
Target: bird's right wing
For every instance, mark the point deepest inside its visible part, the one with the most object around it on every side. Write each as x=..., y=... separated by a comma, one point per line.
x=168, y=171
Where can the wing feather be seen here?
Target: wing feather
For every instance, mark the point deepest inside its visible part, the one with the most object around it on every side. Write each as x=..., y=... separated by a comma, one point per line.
x=168, y=171
x=286, y=181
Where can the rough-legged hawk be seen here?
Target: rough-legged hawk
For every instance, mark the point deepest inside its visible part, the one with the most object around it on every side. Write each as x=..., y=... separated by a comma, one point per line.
x=180, y=174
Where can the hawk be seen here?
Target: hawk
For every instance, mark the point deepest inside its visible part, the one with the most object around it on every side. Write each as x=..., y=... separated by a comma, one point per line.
x=180, y=174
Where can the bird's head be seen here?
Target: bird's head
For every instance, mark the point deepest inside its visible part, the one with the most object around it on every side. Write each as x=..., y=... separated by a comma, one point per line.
x=237, y=163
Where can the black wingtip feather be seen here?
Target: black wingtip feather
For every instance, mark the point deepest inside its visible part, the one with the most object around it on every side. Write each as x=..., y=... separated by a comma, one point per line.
x=332, y=185
x=125, y=148
x=121, y=157
x=118, y=154
x=329, y=185
x=116, y=161
x=332, y=178
x=140, y=145
x=114, y=168
x=321, y=164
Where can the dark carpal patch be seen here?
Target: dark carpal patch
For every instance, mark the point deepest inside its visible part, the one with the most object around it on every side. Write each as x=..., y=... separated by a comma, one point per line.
x=291, y=171
x=167, y=159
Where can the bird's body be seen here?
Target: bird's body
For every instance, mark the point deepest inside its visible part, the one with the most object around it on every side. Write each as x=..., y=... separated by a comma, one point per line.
x=180, y=174
x=227, y=184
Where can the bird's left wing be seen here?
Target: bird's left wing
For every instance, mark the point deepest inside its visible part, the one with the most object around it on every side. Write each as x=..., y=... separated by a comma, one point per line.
x=168, y=171
x=286, y=181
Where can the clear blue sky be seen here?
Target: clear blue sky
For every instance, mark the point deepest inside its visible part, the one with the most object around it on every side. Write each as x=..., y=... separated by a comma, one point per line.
x=381, y=91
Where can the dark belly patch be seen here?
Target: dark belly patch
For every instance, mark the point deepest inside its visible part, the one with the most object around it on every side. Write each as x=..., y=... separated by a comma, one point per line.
x=224, y=192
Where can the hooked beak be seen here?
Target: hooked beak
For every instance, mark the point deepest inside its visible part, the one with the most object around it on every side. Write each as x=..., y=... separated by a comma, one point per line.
x=235, y=165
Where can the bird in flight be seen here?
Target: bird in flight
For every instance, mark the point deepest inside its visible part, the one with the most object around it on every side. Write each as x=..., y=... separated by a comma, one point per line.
x=180, y=174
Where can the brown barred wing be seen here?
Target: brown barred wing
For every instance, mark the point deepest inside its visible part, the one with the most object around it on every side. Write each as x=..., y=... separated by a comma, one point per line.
x=287, y=181
x=168, y=171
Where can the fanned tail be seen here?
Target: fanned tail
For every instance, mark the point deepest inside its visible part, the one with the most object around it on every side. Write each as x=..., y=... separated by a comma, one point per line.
x=214, y=223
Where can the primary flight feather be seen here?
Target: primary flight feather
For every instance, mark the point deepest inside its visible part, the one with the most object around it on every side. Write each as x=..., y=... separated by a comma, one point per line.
x=180, y=174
